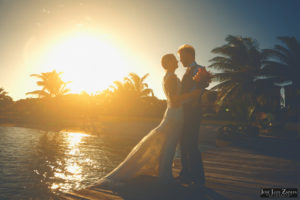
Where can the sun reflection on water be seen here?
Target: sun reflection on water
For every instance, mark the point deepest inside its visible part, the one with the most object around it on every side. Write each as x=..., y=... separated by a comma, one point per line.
x=74, y=138
x=72, y=169
x=47, y=163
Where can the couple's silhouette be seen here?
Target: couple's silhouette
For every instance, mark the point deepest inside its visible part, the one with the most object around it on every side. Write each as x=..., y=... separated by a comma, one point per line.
x=154, y=154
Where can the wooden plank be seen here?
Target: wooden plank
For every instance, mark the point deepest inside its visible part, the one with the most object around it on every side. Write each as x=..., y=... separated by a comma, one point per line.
x=274, y=175
x=243, y=166
x=237, y=196
x=246, y=153
x=102, y=190
x=246, y=160
x=73, y=196
x=238, y=180
x=94, y=194
x=211, y=183
x=243, y=159
x=69, y=196
x=63, y=197
x=241, y=184
x=244, y=163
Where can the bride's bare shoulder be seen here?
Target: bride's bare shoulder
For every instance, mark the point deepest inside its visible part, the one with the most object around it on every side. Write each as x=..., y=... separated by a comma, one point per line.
x=170, y=79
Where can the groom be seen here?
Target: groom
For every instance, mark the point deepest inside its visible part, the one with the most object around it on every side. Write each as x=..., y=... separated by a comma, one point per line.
x=191, y=161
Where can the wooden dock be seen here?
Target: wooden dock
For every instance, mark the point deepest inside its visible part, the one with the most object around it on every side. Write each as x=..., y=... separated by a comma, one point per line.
x=231, y=173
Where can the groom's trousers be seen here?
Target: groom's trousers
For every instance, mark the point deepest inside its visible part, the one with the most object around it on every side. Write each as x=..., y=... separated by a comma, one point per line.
x=191, y=159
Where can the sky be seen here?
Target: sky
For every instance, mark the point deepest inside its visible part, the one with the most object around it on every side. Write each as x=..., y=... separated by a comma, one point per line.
x=96, y=42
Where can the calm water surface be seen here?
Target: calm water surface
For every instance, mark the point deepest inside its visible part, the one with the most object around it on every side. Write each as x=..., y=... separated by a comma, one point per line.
x=35, y=164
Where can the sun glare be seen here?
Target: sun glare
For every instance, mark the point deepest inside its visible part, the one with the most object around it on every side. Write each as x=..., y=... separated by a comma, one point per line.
x=73, y=165
x=91, y=62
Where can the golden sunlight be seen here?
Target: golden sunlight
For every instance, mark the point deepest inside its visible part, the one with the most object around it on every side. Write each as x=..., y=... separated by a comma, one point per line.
x=90, y=61
x=73, y=168
x=74, y=138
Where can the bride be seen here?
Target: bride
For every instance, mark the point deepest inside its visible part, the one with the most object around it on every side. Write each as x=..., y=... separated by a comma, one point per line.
x=154, y=154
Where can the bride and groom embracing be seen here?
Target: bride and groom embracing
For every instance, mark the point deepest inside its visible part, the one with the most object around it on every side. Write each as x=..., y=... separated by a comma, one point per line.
x=154, y=154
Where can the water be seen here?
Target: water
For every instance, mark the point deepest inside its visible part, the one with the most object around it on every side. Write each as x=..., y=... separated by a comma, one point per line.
x=35, y=164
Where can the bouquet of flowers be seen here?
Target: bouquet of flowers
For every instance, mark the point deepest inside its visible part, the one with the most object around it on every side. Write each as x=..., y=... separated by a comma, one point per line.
x=203, y=77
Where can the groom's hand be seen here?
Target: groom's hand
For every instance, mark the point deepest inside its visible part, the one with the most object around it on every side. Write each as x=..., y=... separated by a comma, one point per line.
x=203, y=84
x=196, y=93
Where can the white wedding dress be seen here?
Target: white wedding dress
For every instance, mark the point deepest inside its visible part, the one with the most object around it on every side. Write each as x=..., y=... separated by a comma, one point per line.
x=154, y=154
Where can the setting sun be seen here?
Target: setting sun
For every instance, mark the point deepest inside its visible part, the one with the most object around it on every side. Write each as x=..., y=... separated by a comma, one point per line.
x=91, y=62
x=136, y=99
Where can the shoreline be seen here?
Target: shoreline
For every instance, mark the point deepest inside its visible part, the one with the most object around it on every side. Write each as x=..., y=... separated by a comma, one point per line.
x=78, y=124
x=83, y=124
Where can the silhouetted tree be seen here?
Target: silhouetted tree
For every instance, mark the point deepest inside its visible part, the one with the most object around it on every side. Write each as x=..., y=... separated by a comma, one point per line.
x=5, y=100
x=138, y=85
x=4, y=96
x=52, y=85
x=131, y=95
x=240, y=62
x=121, y=89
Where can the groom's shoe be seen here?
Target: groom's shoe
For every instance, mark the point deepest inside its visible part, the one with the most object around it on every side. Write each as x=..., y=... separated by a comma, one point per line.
x=198, y=181
x=198, y=187
x=183, y=180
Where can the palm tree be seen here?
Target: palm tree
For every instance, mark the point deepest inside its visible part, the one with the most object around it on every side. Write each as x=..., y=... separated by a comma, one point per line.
x=284, y=65
x=4, y=98
x=122, y=89
x=240, y=61
x=52, y=85
x=129, y=95
x=132, y=87
x=138, y=85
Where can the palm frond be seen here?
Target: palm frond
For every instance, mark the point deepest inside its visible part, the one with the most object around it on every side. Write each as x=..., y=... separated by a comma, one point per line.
x=291, y=42
x=221, y=85
x=36, y=75
x=222, y=99
x=147, y=91
x=144, y=77
x=40, y=93
x=223, y=66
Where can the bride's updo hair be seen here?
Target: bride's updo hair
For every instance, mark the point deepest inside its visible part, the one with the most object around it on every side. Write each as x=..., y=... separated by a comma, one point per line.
x=165, y=60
